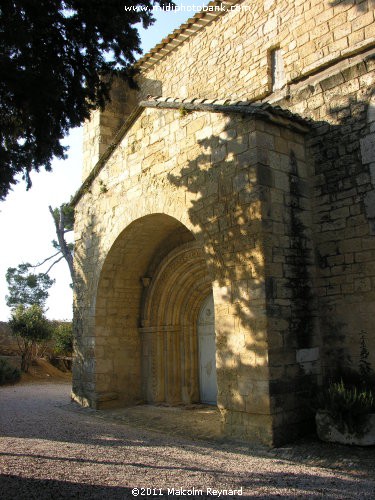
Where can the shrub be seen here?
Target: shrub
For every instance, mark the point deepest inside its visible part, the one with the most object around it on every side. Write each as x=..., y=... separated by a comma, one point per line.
x=30, y=327
x=348, y=405
x=8, y=373
x=63, y=336
x=349, y=395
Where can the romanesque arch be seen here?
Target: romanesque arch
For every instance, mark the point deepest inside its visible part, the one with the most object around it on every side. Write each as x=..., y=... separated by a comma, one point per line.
x=151, y=287
x=172, y=301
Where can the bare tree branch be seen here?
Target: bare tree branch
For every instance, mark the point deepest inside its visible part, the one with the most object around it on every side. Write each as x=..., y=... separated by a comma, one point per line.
x=51, y=266
x=47, y=259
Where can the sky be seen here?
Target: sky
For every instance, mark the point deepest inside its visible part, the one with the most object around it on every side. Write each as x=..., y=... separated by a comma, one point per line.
x=25, y=222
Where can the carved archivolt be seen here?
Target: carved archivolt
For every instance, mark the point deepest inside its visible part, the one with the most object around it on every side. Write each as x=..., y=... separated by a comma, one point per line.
x=171, y=305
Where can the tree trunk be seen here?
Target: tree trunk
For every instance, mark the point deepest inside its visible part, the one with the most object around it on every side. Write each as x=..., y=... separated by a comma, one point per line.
x=26, y=359
x=60, y=232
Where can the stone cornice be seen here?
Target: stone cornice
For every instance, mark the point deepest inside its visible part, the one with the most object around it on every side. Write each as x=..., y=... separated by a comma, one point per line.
x=272, y=114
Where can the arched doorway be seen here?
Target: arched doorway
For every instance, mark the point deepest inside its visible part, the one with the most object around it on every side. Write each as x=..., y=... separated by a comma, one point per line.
x=151, y=289
x=207, y=352
x=173, y=295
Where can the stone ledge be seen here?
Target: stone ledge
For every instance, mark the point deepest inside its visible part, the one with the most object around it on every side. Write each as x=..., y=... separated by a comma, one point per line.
x=265, y=111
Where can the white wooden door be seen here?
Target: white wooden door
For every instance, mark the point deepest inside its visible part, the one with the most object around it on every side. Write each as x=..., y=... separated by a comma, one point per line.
x=207, y=352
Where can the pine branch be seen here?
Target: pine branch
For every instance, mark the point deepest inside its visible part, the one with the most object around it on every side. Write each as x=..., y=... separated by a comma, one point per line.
x=46, y=260
x=51, y=266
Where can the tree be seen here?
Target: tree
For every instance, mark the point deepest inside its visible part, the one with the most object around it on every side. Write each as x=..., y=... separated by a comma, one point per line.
x=63, y=336
x=30, y=327
x=63, y=217
x=57, y=62
x=27, y=288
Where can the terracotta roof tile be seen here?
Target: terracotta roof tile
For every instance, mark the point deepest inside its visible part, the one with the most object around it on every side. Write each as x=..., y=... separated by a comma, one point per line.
x=262, y=110
x=178, y=36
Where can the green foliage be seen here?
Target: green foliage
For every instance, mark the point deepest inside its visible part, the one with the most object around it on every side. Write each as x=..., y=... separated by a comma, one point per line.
x=349, y=395
x=349, y=405
x=183, y=112
x=63, y=336
x=103, y=187
x=67, y=211
x=56, y=246
x=25, y=287
x=30, y=323
x=30, y=326
x=57, y=64
x=8, y=373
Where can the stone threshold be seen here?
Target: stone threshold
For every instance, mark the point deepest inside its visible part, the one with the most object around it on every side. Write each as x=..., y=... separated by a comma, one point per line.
x=194, y=421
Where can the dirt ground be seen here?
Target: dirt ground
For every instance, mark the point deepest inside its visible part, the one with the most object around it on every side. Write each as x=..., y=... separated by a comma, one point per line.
x=52, y=448
x=41, y=370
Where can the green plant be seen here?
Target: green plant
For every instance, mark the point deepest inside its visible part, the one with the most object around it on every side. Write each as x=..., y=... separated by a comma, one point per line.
x=61, y=59
x=25, y=287
x=103, y=188
x=31, y=328
x=63, y=336
x=348, y=405
x=183, y=111
x=349, y=395
x=8, y=373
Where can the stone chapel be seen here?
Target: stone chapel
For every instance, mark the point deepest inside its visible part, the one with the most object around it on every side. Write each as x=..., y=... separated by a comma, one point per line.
x=225, y=226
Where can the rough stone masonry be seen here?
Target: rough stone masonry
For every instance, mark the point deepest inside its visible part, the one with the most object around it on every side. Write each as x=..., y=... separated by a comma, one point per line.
x=242, y=169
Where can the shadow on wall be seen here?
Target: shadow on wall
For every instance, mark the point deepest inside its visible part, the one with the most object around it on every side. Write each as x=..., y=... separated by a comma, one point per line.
x=343, y=222
x=250, y=205
x=341, y=184
x=361, y=6
x=87, y=250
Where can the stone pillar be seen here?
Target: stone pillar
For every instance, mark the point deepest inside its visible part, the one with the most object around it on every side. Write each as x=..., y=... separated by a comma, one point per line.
x=168, y=375
x=189, y=365
x=153, y=364
x=264, y=306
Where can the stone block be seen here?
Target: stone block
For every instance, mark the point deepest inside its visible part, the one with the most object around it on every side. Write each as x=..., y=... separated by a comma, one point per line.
x=195, y=125
x=332, y=82
x=307, y=355
x=362, y=21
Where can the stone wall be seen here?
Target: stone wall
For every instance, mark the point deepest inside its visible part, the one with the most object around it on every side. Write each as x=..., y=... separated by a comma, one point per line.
x=231, y=56
x=227, y=179
x=343, y=186
x=329, y=78
x=284, y=216
x=101, y=129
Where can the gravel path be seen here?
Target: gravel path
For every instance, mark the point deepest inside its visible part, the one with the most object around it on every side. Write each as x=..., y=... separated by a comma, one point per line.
x=50, y=448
